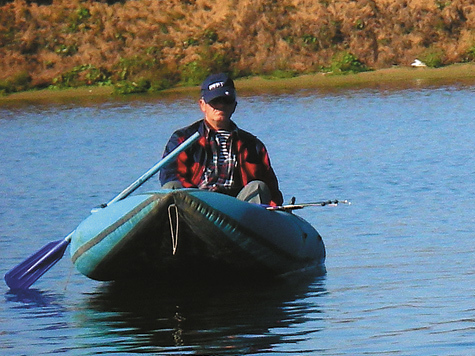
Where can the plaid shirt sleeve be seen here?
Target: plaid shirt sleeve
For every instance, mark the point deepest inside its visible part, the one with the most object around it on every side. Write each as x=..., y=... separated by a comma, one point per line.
x=187, y=168
x=255, y=164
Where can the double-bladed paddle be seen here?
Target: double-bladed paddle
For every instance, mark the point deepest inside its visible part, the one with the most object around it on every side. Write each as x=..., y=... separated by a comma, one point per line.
x=30, y=270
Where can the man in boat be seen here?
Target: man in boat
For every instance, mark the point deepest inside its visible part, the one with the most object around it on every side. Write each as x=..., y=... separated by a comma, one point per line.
x=225, y=159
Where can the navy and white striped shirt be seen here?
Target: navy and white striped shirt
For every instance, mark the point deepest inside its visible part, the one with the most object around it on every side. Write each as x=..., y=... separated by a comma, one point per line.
x=219, y=172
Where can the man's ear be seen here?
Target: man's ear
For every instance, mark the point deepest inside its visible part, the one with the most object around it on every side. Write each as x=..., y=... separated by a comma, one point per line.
x=202, y=104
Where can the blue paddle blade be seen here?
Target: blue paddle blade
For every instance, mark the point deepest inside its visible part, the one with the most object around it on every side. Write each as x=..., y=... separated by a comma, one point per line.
x=29, y=271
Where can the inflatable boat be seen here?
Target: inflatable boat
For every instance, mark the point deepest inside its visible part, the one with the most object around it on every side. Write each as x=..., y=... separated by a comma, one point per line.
x=190, y=233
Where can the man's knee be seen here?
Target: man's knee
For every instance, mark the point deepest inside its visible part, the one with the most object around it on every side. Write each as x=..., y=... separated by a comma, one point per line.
x=174, y=184
x=255, y=192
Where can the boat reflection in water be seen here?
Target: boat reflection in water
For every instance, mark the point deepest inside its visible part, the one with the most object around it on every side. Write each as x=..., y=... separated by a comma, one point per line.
x=212, y=317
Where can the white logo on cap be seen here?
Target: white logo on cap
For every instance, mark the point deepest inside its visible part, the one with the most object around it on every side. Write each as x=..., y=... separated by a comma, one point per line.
x=215, y=85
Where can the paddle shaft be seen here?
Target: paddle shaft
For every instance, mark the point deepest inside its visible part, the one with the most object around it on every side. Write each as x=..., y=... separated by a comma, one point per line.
x=165, y=161
x=147, y=175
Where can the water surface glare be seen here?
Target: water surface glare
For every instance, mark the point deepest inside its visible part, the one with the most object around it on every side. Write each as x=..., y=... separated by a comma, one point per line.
x=400, y=259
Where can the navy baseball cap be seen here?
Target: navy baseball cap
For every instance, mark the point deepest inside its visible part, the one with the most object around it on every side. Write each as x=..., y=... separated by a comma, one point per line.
x=216, y=86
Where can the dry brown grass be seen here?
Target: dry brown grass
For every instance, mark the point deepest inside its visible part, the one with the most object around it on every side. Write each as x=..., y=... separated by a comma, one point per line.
x=70, y=41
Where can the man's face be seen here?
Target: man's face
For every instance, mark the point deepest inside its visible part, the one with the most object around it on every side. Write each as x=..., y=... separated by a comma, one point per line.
x=218, y=112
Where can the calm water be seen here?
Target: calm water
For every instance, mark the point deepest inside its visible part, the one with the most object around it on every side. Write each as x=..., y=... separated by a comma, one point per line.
x=400, y=259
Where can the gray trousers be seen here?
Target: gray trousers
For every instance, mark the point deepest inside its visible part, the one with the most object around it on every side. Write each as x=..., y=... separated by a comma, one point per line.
x=254, y=192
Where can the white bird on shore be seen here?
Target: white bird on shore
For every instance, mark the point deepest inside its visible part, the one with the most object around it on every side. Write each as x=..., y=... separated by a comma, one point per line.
x=418, y=63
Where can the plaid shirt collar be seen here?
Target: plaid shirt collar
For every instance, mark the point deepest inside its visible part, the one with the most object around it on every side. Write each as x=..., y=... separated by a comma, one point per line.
x=208, y=131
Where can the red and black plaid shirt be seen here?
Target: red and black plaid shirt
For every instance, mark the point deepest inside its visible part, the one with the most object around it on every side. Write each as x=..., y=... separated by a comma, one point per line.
x=194, y=167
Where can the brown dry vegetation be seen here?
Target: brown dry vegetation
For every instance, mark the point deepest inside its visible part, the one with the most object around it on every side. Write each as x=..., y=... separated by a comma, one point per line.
x=157, y=44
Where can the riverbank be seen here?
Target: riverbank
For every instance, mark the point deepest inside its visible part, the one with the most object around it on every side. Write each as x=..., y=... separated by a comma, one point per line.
x=161, y=44
x=391, y=78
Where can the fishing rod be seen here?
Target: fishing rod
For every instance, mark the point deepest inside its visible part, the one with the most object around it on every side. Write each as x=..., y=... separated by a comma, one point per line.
x=293, y=206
